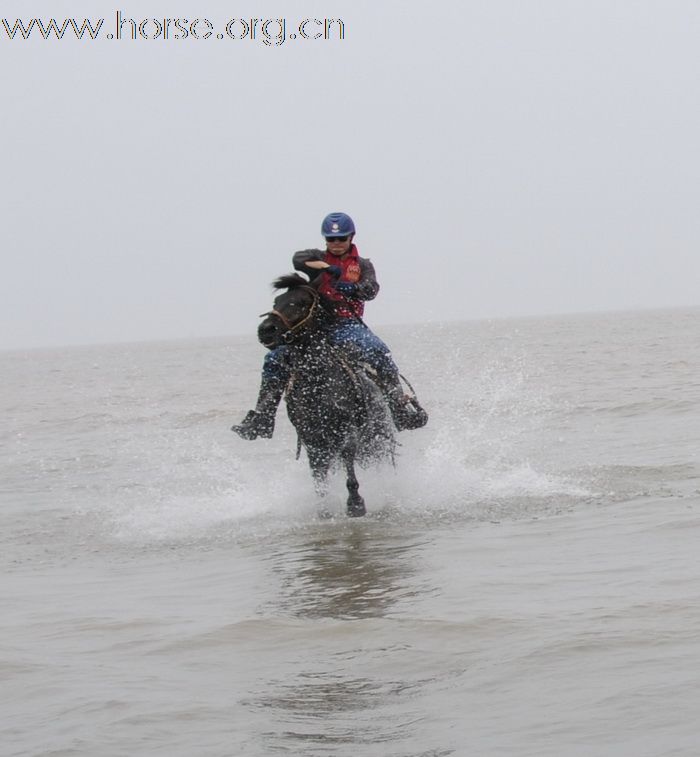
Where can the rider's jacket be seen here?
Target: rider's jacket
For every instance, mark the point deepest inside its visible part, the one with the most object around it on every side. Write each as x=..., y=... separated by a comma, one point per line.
x=354, y=270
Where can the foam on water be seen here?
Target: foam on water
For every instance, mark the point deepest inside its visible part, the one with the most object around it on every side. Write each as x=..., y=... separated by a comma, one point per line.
x=463, y=467
x=184, y=477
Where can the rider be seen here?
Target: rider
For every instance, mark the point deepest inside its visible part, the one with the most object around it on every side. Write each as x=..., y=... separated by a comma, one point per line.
x=348, y=281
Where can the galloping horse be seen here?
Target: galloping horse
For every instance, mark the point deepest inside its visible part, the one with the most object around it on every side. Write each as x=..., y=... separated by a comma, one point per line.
x=339, y=413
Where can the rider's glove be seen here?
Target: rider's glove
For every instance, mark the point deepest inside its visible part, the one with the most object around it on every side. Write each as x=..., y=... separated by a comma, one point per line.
x=346, y=288
x=334, y=271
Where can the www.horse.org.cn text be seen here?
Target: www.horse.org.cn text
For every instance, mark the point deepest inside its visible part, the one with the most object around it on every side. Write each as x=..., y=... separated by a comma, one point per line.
x=272, y=32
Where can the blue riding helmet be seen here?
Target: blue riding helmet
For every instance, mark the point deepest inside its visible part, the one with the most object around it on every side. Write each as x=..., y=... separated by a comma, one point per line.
x=337, y=225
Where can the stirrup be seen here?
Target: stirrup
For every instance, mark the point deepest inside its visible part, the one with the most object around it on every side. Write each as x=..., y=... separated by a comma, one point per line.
x=255, y=425
x=408, y=414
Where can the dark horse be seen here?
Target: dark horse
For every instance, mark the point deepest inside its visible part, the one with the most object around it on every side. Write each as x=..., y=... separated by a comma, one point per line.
x=339, y=413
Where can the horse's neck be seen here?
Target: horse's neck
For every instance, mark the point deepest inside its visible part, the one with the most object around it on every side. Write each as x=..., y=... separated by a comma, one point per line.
x=316, y=355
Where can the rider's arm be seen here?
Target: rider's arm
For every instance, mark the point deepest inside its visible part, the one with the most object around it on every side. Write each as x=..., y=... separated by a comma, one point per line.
x=367, y=286
x=306, y=260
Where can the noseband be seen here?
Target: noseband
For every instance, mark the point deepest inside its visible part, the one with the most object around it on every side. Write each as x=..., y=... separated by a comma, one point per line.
x=293, y=329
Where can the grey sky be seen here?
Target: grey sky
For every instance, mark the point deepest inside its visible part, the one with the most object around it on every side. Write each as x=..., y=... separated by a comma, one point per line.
x=500, y=158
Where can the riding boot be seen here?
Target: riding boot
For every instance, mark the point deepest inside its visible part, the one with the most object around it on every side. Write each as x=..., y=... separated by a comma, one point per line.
x=405, y=409
x=261, y=421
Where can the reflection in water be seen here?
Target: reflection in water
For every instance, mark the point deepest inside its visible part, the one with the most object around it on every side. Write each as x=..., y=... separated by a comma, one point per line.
x=346, y=575
x=321, y=710
x=359, y=685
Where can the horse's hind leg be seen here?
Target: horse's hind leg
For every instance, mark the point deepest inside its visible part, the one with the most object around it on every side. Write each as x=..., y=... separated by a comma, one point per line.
x=356, y=505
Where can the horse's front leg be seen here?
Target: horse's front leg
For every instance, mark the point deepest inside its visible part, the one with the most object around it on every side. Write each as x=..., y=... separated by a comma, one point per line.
x=356, y=505
x=319, y=462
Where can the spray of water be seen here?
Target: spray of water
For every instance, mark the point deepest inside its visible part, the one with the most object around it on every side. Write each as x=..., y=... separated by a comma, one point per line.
x=479, y=458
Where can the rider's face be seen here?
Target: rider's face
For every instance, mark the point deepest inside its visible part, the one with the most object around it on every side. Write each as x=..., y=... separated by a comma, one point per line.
x=338, y=246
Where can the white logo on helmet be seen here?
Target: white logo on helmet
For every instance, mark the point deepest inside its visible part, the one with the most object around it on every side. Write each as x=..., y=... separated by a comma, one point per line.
x=335, y=227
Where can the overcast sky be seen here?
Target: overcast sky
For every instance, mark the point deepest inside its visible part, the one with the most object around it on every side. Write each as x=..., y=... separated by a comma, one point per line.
x=500, y=158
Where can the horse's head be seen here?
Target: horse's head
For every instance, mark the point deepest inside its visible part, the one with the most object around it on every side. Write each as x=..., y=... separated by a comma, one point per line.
x=293, y=312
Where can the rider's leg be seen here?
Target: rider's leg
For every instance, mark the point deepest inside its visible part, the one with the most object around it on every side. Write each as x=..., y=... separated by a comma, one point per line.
x=406, y=411
x=261, y=421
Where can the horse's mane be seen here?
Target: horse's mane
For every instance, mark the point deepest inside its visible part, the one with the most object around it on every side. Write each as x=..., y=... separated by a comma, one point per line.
x=289, y=281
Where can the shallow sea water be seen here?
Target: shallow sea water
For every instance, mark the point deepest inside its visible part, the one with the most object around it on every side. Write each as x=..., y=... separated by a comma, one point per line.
x=526, y=581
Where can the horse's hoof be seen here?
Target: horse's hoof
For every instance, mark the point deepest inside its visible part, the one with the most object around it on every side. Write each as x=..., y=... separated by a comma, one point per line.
x=356, y=509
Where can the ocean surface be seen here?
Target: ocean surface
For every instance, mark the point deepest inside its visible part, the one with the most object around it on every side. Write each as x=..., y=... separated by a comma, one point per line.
x=526, y=582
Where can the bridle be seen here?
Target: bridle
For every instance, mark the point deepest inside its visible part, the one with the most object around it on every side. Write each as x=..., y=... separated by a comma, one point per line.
x=293, y=329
